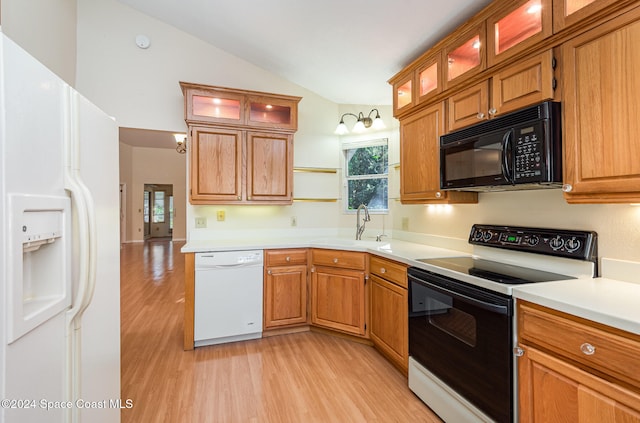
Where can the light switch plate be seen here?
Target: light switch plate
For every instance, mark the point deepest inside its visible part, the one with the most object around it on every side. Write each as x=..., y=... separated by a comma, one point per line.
x=201, y=222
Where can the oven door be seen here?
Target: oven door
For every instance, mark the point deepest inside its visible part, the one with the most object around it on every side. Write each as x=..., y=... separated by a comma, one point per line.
x=462, y=334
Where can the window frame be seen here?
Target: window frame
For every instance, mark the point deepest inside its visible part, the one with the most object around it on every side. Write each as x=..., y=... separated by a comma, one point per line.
x=352, y=145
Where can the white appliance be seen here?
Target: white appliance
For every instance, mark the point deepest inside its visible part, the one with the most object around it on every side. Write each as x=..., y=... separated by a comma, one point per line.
x=228, y=297
x=59, y=249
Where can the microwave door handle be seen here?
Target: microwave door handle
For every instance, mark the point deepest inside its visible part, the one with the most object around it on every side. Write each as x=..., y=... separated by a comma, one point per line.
x=506, y=156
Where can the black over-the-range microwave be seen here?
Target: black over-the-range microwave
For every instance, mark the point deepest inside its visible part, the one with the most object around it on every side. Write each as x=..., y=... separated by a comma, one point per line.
x=520, y=150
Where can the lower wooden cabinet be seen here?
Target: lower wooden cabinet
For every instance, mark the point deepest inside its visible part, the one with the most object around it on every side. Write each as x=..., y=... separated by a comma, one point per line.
x=338, y=293
x=574, y=370
x=389, y=310
x=285, y=288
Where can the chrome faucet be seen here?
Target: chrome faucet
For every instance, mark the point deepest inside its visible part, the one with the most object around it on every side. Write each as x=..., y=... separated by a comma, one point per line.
x=367, y=218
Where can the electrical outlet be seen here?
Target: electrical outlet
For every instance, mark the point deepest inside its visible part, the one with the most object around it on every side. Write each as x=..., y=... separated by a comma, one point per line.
x=294, y=221
x=220, y=215
x=201, y=222
x=405, y=223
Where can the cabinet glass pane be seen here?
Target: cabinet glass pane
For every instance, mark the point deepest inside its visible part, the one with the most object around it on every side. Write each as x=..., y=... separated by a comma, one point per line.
x=269, y=113
x=429, y=79
x=404, y=94
x=572, y=6
x=518, y=25
x=464, y=58
x=216, y=107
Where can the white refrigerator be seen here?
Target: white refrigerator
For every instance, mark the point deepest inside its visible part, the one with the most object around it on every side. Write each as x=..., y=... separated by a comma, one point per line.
x=59, y=250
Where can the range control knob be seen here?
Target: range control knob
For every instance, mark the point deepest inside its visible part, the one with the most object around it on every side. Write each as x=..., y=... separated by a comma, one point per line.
x=487, y=236
x=556, y=243
x=533, y=240
x=477, y=235
x=573, y=244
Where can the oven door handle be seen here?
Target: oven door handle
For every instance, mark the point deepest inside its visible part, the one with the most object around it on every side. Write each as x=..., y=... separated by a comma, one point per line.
x=486, y=305
x=506, y=157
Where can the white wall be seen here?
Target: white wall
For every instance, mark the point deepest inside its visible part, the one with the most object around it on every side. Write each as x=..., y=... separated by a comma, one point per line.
x=139, y=166
x=46, y=29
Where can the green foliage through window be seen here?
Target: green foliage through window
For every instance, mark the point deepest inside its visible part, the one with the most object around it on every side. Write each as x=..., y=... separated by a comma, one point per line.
x=366, y=172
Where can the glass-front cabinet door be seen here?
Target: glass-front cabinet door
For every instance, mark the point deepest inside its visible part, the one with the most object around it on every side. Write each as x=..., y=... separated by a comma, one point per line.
x=522, y=24
x=215, y=106
x=428, y=78
x=569, y=12
x=465, y=56
x=272, y=112
x=403, y=94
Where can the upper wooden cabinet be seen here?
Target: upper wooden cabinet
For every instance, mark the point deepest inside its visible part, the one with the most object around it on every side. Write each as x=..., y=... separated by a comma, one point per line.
x=206, y=104
x=524, y=83
x=465, y=56
x=403, y=94
x=420, y=85
x=420, y=160
x=570, y=12
x=601, y=103
x=519, y=25
x=240, y=145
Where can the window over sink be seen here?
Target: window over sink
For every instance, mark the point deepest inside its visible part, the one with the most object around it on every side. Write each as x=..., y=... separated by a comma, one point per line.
x=366, y=175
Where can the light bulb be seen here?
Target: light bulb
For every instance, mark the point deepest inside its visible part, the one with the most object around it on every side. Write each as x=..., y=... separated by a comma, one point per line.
x=359, y=126
x=342, y=129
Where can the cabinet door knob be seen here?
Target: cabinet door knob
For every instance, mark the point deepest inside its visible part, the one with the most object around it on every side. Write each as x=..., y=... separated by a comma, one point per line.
x=383, y=270
x=587, y=349
x=268, y=272
x=438, y=194
x=288, y=259
x=493, y=111
x=239, y=197
x=480, y=116
x=518, y=352
x=567, y=188
x=335, y=260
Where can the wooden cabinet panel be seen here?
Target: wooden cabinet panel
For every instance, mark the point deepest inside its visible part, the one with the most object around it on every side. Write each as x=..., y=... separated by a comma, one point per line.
x=552, y=390
x=338, y=258
x=572, y=369
x=216, y=165
x=614, y=355
x=270, y=167
x=285, y=257
x=389, y=320
x=338, y=299
x=528, y=82
x=390, y=270
x=601, y=101
x=285, y=296
x=468, y=107
x=420, y=160
x=403, y=97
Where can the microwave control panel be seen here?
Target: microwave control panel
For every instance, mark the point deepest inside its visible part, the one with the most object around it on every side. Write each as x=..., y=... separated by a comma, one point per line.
x=528, y=152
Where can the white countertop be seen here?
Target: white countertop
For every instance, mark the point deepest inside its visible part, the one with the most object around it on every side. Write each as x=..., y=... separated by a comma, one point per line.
x=604, y=300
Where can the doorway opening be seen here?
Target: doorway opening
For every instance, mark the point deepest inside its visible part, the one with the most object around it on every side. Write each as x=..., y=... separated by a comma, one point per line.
x=158, y=211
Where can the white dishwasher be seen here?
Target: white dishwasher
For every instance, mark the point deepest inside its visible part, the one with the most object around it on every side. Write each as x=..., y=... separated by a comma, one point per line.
x=228, y=297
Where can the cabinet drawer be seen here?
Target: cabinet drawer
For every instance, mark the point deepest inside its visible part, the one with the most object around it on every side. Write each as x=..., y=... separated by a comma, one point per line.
x=390, y=270
x=285, y=257
x=337, y=258
x=610, y=352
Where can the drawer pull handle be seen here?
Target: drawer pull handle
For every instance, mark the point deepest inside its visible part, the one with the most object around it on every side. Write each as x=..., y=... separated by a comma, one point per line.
x=383, y=270
x=288, y=259
x=335, y=260
x=518, y=352
x=587, y=349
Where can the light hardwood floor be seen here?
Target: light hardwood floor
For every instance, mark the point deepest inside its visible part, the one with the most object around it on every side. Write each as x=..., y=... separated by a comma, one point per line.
x=303, y=377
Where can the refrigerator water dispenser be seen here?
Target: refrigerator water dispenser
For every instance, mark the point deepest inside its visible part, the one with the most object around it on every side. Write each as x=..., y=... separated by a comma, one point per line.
x=39, y=261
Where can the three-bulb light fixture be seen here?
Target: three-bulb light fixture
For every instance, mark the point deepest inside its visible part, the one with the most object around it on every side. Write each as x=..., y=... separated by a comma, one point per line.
x=362, y=123
x=181, y=143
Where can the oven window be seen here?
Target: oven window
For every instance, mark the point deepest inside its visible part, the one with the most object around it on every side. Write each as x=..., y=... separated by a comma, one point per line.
x=441, y=313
